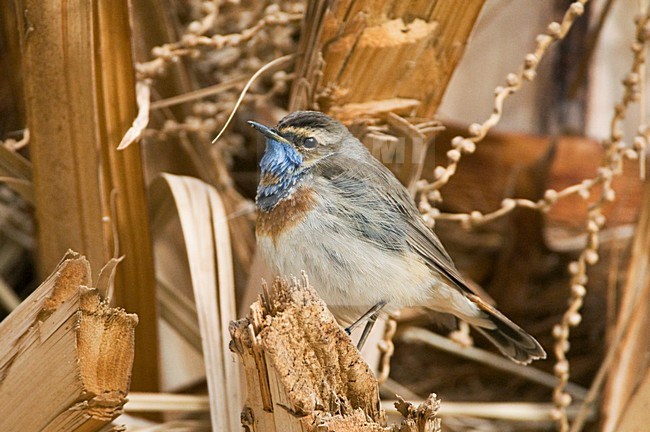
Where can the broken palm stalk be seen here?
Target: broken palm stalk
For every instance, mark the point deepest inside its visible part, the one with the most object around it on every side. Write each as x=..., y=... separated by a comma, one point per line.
x=304, y=374
x=365, y=57
x=65, y=355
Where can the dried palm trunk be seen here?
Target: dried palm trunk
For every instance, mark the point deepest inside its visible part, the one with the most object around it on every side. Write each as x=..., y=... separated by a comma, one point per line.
x=79, y=90
x=367, y=57
x=304, y=374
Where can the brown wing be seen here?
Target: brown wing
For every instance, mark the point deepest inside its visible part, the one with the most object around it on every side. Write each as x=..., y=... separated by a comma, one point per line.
x=419, y=237
x=384, y=213
x=425, y=243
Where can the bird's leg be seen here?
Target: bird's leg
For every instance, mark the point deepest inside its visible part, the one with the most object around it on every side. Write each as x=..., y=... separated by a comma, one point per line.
x=365, y=316
x=370, y=317
x=366, y=330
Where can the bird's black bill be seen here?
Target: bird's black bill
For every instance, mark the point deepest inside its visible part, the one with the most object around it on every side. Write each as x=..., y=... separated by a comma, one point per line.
x=267, y=132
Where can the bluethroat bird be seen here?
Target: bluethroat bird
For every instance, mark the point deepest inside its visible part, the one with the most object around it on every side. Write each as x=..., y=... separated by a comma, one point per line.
x=326, y=206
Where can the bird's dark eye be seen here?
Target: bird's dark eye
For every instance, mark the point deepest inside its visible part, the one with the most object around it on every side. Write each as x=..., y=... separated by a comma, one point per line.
x=310, y=143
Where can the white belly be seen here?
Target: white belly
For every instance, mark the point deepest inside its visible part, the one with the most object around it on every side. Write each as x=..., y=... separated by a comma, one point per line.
x=348, y=273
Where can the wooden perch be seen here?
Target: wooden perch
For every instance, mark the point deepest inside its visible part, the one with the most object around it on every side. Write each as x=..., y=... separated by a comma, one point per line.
x=65, y=355
x=304, y=374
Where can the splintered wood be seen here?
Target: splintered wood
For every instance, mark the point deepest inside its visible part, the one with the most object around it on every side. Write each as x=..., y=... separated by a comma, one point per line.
x=65, y=355
x=304, y=374
x=368, y=57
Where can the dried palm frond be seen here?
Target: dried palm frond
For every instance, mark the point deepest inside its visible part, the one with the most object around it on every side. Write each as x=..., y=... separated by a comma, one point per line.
x=207, y=246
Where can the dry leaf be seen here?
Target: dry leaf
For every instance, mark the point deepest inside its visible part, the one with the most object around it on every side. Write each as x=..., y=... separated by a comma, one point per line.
x=207, y=242
x=143, y=96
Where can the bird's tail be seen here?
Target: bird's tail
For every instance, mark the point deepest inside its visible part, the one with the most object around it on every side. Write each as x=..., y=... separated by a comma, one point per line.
x=511, y=339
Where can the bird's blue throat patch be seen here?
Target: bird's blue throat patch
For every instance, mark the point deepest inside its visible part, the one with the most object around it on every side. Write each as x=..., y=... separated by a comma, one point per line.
x=280, y=173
